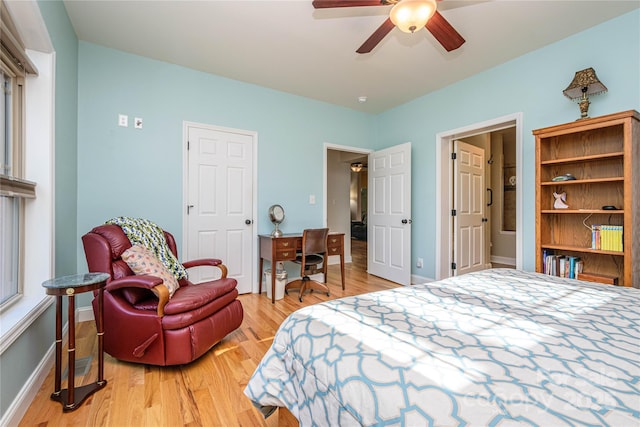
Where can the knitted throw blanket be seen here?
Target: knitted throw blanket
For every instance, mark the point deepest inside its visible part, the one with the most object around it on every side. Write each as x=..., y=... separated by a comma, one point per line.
x=146, y=233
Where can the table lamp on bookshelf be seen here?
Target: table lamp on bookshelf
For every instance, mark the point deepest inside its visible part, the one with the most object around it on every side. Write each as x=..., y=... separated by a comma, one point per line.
x=584, y=83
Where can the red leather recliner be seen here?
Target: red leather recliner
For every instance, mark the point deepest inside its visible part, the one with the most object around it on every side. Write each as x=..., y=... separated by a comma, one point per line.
x=140, y=327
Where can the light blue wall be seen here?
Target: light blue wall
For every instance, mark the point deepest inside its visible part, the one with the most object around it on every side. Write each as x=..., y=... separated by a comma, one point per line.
x=292, y=129
x=531, y=84
x=20, y=360
x=133, y=172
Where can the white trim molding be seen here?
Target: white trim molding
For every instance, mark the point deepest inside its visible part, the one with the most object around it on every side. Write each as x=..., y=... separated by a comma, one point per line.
x=444, y=196
x=39, y=212
x=28, y=392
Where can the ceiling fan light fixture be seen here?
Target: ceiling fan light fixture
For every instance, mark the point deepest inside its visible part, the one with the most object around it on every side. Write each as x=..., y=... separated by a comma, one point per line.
x=411, y=15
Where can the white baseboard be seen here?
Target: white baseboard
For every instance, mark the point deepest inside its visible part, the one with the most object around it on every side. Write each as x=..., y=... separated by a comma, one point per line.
x=503, y=260
x=25, y=397
x=417, y=280
x=84, y=314
x=335, y=259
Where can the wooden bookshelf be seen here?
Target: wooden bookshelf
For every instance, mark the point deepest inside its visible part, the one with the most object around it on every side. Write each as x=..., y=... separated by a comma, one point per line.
x=603, y=154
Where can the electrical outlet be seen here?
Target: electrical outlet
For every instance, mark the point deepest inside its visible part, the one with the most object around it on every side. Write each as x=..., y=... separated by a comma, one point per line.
x=123, y=120
x=312, y=199
x=420, y=263
x=137, y=123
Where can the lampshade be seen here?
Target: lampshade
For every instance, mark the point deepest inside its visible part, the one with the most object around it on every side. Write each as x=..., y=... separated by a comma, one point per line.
x=357, y=166
x=586, y=82
x=411, y=15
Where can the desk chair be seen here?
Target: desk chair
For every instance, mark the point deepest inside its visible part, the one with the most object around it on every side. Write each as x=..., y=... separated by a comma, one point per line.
x=314, y=252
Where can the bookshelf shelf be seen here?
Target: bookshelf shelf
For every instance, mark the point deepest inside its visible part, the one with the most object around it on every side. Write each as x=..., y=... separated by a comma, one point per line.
x=583, y=158
x=581, y=249
x=584, y=181
x=603, y=154
x=582, y=211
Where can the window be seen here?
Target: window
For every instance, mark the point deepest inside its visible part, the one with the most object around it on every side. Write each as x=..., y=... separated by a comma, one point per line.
x=14, y=189
x=34, y=260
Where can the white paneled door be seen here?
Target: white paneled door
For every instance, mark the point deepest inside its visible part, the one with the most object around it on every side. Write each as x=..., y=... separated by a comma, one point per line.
x=220, y=201
x=389, y=214
x=469, y=220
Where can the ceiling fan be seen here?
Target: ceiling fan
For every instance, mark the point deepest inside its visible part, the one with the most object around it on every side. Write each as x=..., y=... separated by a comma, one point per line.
x=408, y=15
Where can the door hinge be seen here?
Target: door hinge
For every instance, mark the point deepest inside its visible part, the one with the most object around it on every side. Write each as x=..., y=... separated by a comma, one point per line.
x=453, y=212
x=453, y=156
x=188, y=145
x=453, y=266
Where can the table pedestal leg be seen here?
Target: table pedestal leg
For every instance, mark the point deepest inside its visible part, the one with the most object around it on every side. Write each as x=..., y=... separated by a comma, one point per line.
x=71, y=398
x=260, y=276
x=58, y=371
x=100, y=329
x=342, y=268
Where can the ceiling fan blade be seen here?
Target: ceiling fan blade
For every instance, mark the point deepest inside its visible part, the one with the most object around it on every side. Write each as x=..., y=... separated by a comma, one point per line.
x=322, y=4
x=448, y=37
x=376, y=37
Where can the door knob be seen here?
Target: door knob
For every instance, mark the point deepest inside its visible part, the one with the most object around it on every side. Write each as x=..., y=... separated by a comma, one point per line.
x=248, y=221
x=406, y=221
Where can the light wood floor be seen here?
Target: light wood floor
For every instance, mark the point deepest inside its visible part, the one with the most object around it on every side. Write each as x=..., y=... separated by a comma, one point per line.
x=207, y=392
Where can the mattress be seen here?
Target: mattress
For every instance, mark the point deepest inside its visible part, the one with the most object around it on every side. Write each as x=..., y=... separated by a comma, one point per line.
x=498, y=347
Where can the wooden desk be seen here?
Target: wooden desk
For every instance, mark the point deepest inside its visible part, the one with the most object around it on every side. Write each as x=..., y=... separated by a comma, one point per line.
x=286, y=247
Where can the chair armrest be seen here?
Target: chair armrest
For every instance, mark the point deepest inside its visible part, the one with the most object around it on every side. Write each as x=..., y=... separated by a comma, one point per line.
x=142, y=281
x=154, y=284
x=211, y=262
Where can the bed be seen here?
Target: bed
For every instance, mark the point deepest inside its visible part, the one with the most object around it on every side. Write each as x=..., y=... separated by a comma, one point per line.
x=498, y=347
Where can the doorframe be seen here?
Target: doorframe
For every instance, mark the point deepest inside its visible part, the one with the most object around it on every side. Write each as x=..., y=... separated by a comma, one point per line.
x=329, y=146
x=254, y=196
x=444, y=186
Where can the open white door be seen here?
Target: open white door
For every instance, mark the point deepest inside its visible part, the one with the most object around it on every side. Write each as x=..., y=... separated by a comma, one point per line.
x=389, y=214
x=469, y=220
x=220, y=202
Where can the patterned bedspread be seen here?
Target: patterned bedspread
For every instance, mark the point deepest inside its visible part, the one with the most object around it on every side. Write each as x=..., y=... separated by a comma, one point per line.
x=494, y=348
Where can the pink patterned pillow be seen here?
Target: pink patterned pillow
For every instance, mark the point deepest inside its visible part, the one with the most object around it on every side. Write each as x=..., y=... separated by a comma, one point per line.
x=142, y=261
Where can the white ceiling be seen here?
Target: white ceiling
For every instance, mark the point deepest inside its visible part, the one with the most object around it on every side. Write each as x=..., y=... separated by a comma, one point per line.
x=292, y=47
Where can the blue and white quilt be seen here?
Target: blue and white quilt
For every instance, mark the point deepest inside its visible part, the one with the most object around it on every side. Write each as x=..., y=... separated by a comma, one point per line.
x=493, y=348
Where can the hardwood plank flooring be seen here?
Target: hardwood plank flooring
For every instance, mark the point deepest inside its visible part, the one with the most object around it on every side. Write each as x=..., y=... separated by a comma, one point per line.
x=207, y=392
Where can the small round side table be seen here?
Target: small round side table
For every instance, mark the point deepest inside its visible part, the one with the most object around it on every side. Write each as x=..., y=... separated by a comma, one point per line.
x=71, y=398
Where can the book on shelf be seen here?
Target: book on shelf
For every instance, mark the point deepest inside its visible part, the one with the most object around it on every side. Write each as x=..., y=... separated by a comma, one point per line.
x=561, y=265
x=607, y=237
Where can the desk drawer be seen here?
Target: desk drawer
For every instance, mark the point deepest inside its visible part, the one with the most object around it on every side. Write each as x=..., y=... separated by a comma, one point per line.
x=285, y=243
x=335, y=244
x=285, y=254
x=286, y=249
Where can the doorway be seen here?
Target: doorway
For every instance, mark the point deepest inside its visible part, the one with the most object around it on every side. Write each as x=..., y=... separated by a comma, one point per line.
x=341, y=206
x=498, y=202
x=388, y=206
x=445, y=191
